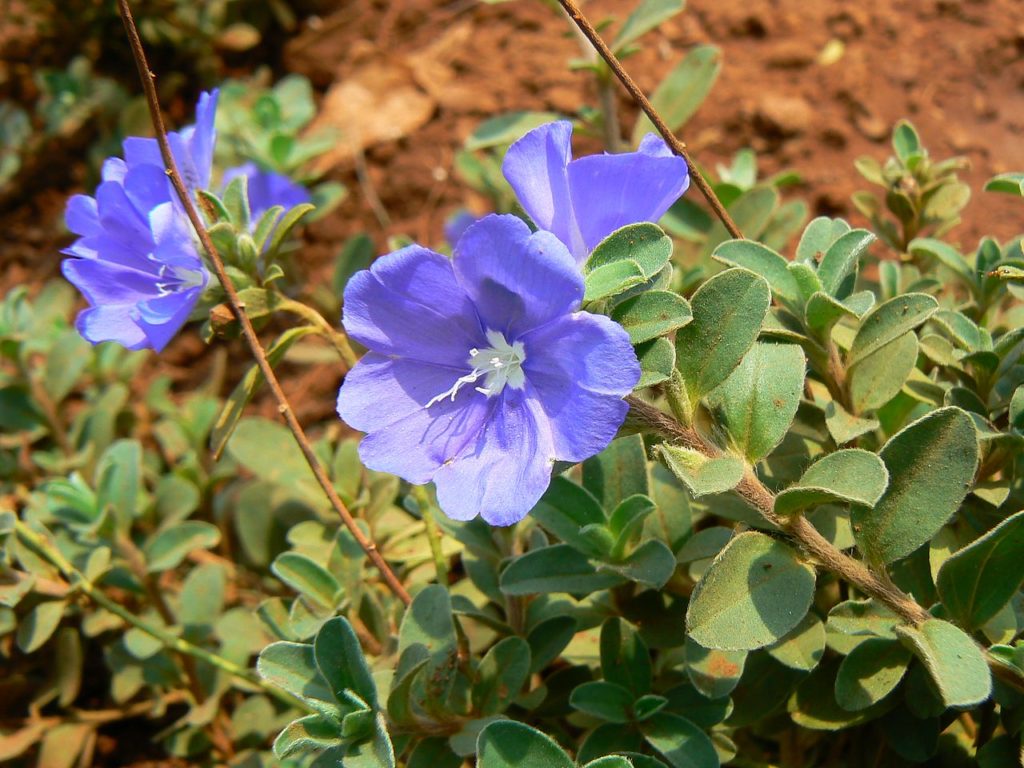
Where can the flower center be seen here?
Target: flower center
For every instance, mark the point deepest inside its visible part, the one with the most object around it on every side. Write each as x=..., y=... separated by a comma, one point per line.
x=500, y=365
x=174, y=279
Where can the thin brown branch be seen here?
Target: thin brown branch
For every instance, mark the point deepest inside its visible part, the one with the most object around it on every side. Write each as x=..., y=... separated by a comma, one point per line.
x=762, y=500
x=248, y=332
x=581, y=21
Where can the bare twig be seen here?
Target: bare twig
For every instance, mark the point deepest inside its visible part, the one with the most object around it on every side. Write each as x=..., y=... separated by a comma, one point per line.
x=248, y=332
x=581, y=21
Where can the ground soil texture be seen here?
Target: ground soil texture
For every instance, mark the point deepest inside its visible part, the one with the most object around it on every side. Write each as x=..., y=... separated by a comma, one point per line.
x=954, y=67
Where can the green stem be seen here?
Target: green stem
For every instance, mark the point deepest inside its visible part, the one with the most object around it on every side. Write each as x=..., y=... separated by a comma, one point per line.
x=434, y=533
x=337, y=338
x=78, y=580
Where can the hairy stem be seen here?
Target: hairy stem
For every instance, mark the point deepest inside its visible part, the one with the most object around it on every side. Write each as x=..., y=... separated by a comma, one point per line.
x=584, y=25
x=147, y=78
x=39, y=544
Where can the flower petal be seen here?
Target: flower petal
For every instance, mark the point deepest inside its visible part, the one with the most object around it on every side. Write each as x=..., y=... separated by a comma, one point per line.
x=405, y=386
x=417, y=444
x=615, y=190
x=162, y=318
x=409, y=304
x=81, y=215
x=111, y=323
x=536, y=166
x=503, y=472
x=105, y=282
x=518, y=280
x=582, y=366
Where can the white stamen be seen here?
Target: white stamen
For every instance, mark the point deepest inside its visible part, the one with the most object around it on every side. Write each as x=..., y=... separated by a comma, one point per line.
x=503, y=368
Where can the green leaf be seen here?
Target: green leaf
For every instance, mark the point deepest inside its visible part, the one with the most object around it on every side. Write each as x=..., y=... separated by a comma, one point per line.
x=119, y=479
x=292, y=666
x=976, y=582
x=612, y=279
x=548, y=639
x=728, y=311
x=625, y=659
x=341, y=662
x=763, y=261
x=627, y=257
x=65, y=362
x=813, y=705
x=610, y=761
x=428, y=621
x=287, y=223
x=683, y=90
x=714, y=673
x=803, y=647
x=507, y=128
x=604, y=700
x=645, y=17
x=652, y=314
x=657, y=361
x=679, y=741
x=953, y=660
x=39, y=624
x=1010, y=183
x=906, y=143
x=307, y=577
x=169, y=547
x=890, y=320
x=502, y=673
x=869, y=673
x=618, y=472
x=879, y=377
x=507, y=744
x=558, y=568
x=651, y=564
x=757, y=402
x=931, y=467
x=565, y=509
x=818, y=237
x=700, y=474
x=838, y=268
x=843, y=426
x=851, y=475
x=755, y=591
x=944, y=253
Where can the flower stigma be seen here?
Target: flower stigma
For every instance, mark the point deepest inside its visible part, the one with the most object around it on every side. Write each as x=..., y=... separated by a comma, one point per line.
x=500, y=364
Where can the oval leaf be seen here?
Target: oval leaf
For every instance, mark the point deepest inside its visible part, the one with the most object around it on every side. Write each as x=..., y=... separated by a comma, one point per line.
x=851, y=475
x=954, y=661
x=931, y=467
x=755, y=591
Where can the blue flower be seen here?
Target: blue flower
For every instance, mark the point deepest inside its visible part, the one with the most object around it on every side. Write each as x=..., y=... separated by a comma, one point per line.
x=481, y=372
x=583, y=201
x=136, y=260
x=267, y=189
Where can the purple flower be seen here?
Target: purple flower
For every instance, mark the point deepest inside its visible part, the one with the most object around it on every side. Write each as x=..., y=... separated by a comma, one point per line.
x=267, y=189
x=583, y=201
x=481, y=373
x=135, y=259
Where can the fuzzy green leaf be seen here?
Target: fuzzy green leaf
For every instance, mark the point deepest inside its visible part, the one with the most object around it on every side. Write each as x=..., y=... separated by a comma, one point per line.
x=851, y=475
x=954, y=661
x=931, y=467
x=755, y=591
x=976, y=582
x=890, y=320
x=870, y=672
x=652, y=314
x=757, y=402
x=728, y=311
x=507, y=744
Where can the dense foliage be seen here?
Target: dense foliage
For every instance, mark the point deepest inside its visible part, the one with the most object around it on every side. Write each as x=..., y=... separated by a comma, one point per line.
x=803, y=545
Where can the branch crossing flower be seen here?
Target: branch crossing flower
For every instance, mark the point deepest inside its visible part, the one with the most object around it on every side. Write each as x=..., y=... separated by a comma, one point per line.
x=481, y=371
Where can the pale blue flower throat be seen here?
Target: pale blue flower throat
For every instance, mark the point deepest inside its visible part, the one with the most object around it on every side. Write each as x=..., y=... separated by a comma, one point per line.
x=500, y=365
